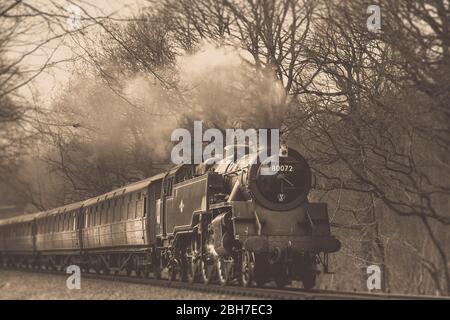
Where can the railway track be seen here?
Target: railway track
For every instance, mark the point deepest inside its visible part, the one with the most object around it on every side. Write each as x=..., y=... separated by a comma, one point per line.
x=288, y=293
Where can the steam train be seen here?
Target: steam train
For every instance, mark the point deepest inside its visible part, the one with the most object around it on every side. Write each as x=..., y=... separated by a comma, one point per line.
x=213, y=223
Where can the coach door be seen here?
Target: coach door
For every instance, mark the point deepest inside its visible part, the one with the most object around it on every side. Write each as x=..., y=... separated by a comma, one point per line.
x=167, y=202
x=154, y=210
x=79, y=223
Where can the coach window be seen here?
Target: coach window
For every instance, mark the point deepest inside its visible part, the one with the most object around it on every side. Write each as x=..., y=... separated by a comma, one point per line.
x=129, y=206
x=145, y=206
x=119, y=208
x=98, y=215
x=65, y=222
x=61, y=222
x=69, y=216
x=92, y=216
x=95, y=216
x=137, y=211
x=102, y=213
x=68, y=221
x=116, y=214
x=107, y=211
x=114, y=210
x=124, y=208
x=86, y=217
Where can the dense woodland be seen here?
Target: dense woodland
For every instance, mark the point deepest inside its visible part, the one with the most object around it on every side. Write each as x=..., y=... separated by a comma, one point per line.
x=369, y=110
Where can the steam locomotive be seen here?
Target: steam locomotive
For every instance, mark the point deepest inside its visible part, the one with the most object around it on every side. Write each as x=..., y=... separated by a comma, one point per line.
x=213, y=223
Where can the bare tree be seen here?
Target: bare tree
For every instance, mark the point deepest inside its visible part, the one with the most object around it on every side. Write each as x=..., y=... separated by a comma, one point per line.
x=360, y=114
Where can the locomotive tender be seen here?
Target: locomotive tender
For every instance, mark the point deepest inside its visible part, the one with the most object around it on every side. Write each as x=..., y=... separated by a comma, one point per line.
x=214, y=223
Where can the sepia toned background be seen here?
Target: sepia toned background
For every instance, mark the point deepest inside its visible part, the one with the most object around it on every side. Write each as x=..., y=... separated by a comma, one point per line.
x=87, y=109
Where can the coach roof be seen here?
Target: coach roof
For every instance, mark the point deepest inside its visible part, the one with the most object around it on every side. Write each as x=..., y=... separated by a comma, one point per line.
x=125, y=189
x=18, y=219
x=54, y=211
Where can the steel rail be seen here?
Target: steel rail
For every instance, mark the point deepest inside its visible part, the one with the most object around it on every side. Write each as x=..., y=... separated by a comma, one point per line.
x=288, y=293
